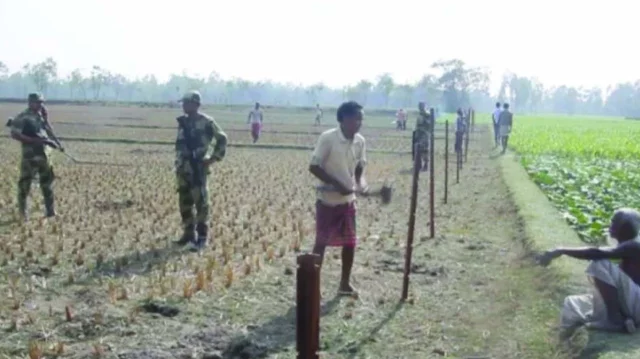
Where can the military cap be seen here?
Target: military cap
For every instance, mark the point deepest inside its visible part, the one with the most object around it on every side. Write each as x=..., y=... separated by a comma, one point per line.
x=192, y=96
x=35, y=97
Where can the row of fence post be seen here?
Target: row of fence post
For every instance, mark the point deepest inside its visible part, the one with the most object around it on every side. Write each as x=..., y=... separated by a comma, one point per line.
x=308, y=265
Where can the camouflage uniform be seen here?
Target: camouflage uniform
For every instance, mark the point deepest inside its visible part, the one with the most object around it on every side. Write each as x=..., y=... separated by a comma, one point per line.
x=423, y=133
x=35, y=158
x=191, y=174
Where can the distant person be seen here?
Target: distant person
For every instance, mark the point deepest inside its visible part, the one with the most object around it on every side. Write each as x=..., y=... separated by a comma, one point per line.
x=505, y=121
x=255, y=118
x=424, y=126
x=338, y=160
x=461, y=127
x=615, y=303
x=401, y=120
x=318, y=115
x=495, y=117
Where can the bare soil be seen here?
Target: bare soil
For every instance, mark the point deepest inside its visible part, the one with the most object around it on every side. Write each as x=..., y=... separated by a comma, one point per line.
x=474, y=292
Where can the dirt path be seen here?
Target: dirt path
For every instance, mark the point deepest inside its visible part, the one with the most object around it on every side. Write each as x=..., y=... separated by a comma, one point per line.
x=471, y=294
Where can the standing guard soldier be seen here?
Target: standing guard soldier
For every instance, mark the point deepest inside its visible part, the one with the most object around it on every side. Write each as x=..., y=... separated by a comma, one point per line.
x=196, y=150
x=424, y=126
x=32, y=129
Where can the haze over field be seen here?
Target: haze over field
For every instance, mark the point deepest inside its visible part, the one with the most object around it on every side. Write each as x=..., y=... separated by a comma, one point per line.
x=335, y=43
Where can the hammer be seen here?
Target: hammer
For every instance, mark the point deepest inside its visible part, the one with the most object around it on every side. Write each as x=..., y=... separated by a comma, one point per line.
x=385, y=192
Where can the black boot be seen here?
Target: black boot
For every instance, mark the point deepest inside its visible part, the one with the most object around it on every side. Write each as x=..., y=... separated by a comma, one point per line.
x=201, y=242
x=22, y=209
x=189, y=236
x=49, y=209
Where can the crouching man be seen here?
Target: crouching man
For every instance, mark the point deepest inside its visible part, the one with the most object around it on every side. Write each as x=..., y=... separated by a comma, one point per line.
x=614, y=304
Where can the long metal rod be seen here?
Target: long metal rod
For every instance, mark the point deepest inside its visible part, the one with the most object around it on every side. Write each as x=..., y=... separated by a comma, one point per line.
x=432, y=206
x=446, y=162
x=75, y=160
x=466, y=137
x=412, y=222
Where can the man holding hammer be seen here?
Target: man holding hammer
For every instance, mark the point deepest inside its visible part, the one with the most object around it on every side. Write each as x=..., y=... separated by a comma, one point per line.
x=338, y=162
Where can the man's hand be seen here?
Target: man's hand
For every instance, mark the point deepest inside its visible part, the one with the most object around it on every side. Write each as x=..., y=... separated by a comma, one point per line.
x=209, y=162
x=362, y=188
x=340, y=188
x=43, y=111
x=545, y=258
x=50, y=143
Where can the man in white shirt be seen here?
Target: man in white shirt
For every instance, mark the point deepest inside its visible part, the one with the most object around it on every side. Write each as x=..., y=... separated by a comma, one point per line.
x=338, y=162
x=496, y=116
x=255, y=118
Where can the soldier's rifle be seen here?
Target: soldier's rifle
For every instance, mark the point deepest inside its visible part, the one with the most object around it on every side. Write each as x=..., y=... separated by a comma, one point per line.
x=30, y=131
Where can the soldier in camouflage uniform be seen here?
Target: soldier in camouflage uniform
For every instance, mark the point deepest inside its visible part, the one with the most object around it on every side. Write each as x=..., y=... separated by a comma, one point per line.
x=32, y=129
x=195, y=152
x=424, y=126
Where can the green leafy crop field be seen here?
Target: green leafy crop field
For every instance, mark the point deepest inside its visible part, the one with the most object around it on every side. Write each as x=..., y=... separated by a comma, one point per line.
x=588, y=167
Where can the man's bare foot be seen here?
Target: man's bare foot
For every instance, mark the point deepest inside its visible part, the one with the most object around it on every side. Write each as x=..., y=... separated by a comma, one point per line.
x=346, y=289
x=565, y=334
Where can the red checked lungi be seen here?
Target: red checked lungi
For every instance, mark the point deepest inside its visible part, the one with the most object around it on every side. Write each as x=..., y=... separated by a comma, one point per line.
x=336, y=225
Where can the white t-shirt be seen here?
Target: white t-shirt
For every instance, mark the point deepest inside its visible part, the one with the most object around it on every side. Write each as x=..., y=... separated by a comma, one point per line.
x=256, y=116
x=496, y=115
x=339, y=157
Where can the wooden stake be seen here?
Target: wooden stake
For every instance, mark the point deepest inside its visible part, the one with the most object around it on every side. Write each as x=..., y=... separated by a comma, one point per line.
x=308, y=306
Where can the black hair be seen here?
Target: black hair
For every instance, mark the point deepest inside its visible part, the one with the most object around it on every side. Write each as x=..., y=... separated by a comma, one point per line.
x=505, y=105
x=348, y=109
x=498, y=104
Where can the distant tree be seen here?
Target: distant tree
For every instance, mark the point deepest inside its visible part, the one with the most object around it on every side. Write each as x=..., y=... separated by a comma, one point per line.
x=457, y=81
x=314, y=92
x=98, y=79
x=363, y=88
x=405, y=94
x=76, y=81
x=385, y=85
x=449, y=84
x=4, y=71
x=428, y=89
x=43, y=74
x=118, y=84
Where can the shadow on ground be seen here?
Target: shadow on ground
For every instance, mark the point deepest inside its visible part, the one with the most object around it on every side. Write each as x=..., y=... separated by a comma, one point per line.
x=271, y=337
x=136, y=263
x=355, y=348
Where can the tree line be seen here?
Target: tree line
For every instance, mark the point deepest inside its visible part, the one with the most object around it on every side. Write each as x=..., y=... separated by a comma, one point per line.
x=448, y=85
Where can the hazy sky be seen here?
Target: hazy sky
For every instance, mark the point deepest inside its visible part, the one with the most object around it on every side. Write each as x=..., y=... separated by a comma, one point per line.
x=337, y=42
